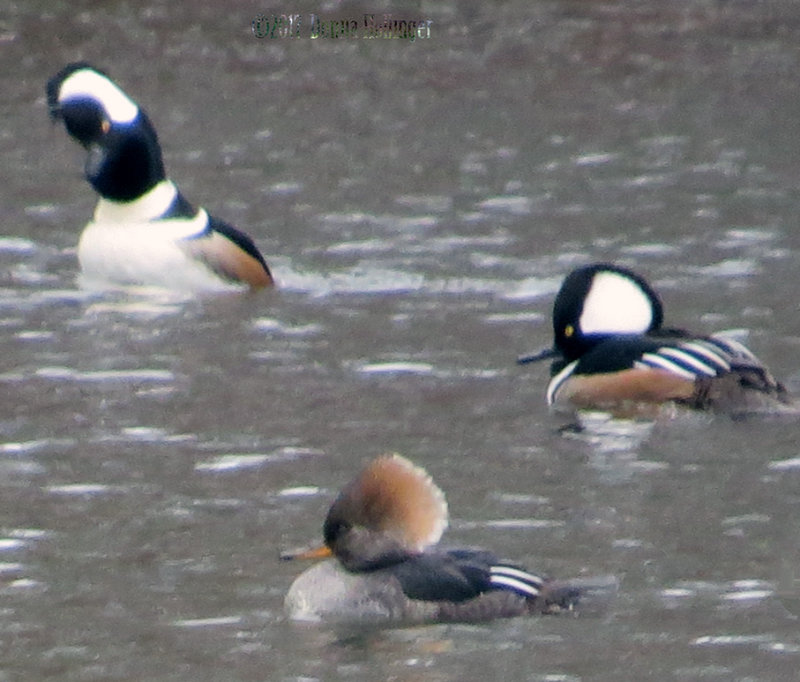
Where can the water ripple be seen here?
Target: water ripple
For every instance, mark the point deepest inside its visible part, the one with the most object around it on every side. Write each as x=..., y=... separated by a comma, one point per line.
x=208, y=622
x=731, y=640
x=784, y=464
x=17, y=245
x=269, y=324
x=396, y=368
x=120, y=375
x=596, y=159
x=84, y=489
x=515, y=205
x=232, y=463
x=300, y=491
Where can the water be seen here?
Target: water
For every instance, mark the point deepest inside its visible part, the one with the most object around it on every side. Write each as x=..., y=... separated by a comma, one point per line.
x=419, y=205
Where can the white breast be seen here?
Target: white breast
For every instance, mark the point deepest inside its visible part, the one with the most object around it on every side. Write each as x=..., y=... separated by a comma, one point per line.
x=127, y=243
x=327, y=592
x=146, y=253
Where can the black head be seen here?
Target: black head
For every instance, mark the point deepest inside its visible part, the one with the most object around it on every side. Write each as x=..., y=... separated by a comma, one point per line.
x=360, y=548
x=334, y=529
x=601, y=300
x=124, y=157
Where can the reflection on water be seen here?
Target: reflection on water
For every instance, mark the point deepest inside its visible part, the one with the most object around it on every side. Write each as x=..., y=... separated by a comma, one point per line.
x=419, y=205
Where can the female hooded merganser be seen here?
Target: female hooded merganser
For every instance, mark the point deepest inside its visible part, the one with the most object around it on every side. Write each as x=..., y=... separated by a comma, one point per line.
x=143, y=231
x=611, y=351
x=381, y=529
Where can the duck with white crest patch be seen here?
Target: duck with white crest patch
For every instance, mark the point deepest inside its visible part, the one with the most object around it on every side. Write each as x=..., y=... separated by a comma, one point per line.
x=611, y=352
x=143, y=232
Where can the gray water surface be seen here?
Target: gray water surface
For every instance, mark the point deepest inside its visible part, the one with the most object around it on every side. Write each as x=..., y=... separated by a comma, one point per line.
x=419, y=204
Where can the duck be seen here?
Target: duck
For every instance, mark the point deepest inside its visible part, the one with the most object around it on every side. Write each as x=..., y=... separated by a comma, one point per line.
x=610, y=351
x=383, y=565
x=143, y=231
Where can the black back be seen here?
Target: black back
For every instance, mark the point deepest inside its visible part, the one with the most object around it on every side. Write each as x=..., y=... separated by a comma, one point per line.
x=455, y=575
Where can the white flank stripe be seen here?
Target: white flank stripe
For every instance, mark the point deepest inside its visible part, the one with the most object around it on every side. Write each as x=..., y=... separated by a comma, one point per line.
x=684, y=356
x=517, y=573
x=516, y=585
x=709, y=352
x=558, y=380
x=658, y=361
x=733, y=347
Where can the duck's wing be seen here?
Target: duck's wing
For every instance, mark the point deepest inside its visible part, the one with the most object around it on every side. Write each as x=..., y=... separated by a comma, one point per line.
x=462, y=574
x=698, y=371
x=230, y=253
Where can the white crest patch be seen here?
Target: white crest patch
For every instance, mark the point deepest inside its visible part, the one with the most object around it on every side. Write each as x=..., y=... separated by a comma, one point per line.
x=615, y=304
x=87, y=83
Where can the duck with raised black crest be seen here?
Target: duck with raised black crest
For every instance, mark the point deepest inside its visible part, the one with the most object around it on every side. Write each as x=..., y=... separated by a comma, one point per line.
x=610, y=351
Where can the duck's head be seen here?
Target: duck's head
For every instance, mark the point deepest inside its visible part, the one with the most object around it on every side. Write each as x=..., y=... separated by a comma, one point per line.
x=596, y=302
x=391, y=510
x=124, y=157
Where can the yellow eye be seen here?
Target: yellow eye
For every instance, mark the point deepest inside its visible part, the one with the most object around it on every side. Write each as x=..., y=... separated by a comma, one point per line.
x=569, y=330
x=105, y=126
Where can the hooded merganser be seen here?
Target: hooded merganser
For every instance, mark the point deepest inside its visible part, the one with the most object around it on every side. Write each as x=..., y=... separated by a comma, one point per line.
x=381, y=529
x=610, y=350
x=143, y=231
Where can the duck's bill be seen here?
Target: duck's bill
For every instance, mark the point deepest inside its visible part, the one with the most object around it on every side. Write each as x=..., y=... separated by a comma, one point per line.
x=546, y=354
x=321, y=552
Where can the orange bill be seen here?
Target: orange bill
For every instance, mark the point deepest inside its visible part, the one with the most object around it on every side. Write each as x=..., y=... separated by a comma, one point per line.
x=321, y=552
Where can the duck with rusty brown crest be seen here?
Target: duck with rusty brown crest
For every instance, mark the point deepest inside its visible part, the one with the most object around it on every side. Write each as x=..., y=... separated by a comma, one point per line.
x=382, y=531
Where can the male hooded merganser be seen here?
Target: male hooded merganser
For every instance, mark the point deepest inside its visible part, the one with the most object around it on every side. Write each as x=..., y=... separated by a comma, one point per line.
x=381, y=530
x=611, y=350
x=143, y=231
